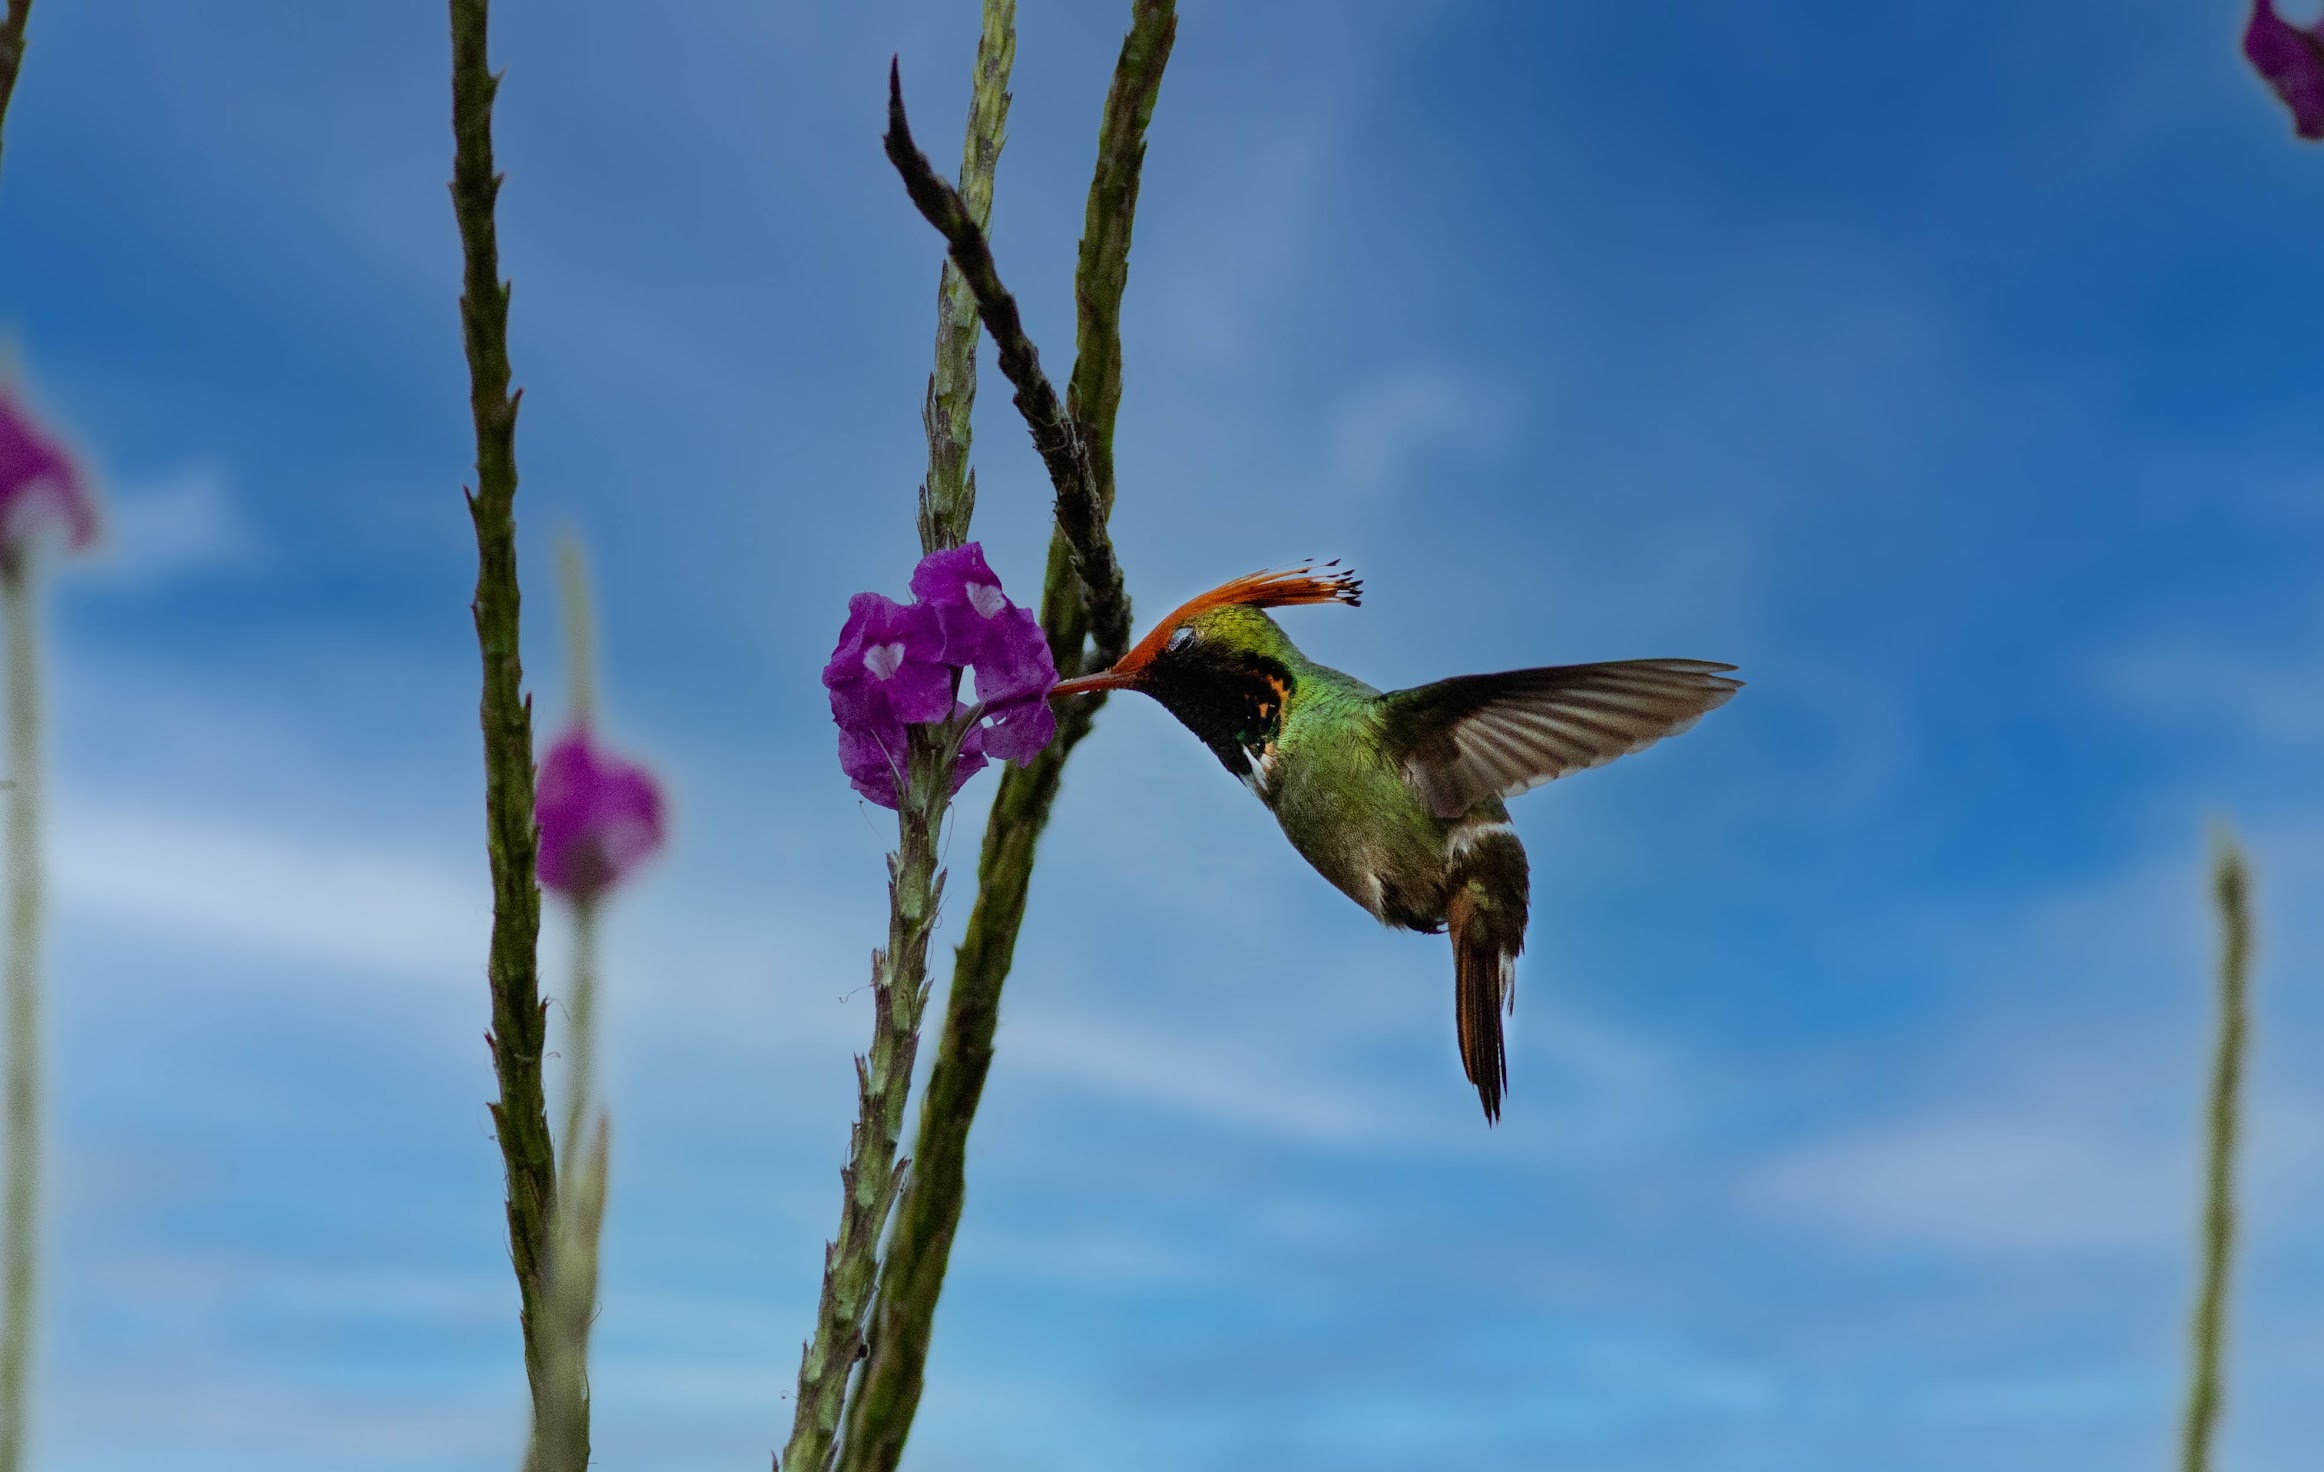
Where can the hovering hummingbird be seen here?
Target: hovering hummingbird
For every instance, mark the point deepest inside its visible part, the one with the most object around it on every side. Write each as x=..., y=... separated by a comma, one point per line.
x=1396, y=798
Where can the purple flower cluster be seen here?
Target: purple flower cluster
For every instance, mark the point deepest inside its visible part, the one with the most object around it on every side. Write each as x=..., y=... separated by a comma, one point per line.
x=600, y=817
x=2291, y=59
x=39, y=485
x=899, y=664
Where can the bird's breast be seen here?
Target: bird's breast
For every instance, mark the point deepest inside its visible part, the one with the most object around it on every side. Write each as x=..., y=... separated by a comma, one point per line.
x=1354, y=819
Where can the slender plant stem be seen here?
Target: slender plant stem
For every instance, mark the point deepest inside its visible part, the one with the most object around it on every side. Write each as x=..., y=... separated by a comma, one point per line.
x=899, y=975
x=572, y=1304
x=1056, y=436
x=24, y=1009
x=581, y=1183
x=928, y=1216
x=883, y=1078
x=20, y=1217
x=580, y=1038
x=581, y=1178
x=2230, y=889
x=519, y=1020
x=1102, y=271
x=948, y=495
x=12, y=52
x=580, y=630
x=581, y=996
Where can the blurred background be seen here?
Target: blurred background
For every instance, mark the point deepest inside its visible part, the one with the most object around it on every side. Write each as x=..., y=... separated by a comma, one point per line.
x=1952, y=369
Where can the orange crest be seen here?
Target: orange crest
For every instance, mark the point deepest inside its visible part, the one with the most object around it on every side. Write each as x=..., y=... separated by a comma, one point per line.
x=1253, y=590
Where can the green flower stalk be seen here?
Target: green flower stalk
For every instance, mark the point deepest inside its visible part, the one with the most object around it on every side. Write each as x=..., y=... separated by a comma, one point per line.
x=40, y=488
x=518, y=1038
x=1085, y=615
x=930, y=767
x=907, y=741
x=24, y=1021
x=2231, y=892
x=600, y=817
x=948, y=496
x=883, y=1075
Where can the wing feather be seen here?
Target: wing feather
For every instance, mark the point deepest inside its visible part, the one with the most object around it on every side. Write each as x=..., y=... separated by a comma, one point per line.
x=1463, y=740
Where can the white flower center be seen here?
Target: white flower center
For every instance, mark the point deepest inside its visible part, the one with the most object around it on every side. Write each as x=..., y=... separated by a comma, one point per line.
x=985, y=598
x=883, y=660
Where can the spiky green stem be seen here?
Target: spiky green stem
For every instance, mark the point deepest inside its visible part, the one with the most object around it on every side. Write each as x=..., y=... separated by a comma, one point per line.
x=2230, y=889
x=928, y=1217
x=519, y=1020
x=1102, y=271
x=899, y=974
x=18, y=1299
x=883, y=1078
x=948, y=495
x=1056, y=437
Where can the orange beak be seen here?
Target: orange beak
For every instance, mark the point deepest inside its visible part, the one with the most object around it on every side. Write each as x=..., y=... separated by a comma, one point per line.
x=1112, y=679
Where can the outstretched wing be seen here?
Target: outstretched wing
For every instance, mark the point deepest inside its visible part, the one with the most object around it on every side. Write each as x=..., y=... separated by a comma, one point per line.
x=1463, y=740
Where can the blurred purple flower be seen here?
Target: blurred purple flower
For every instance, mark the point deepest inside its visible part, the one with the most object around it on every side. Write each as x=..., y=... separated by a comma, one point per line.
x=600, y=817
x=39, y=483
x=2291, y=59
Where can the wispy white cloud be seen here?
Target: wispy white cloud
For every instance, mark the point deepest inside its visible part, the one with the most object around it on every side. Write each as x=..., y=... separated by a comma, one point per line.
x=1985, y=1182
x=2029, y=1180
x=1204, y=1079
x=349, y=905
x=181, y=523
x=2057, y=1114
x=2276, y=701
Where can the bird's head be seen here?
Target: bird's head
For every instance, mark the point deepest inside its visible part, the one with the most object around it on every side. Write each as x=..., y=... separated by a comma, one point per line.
x=1221, y=634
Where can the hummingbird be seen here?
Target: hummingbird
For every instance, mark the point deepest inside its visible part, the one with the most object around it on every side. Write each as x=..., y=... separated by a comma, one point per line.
x=1398, y=798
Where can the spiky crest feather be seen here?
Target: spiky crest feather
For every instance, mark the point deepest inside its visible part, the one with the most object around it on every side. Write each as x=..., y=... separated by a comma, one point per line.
x=1253, y=590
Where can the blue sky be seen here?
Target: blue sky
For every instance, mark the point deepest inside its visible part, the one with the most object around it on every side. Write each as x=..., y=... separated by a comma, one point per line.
x=1951, y=369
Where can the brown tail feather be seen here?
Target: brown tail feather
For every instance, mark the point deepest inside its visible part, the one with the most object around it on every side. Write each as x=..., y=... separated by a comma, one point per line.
x=1485, y=917
x=1477, y=1011
x=1481, y=969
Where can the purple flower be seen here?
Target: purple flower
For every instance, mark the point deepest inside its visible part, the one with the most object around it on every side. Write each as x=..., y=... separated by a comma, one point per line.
x=1000, y=641
x=600, y=817
x=961, y=588
x=39, y=483
x=2292, y=61
x=899, y=665
x=889, y=665
x=873, y=756
x=1014, y=685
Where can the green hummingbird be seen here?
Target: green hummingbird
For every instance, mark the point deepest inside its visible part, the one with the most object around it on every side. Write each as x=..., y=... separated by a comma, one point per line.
x=1396, y=798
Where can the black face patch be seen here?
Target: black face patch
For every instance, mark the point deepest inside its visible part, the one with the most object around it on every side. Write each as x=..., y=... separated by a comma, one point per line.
x=1230, y=698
